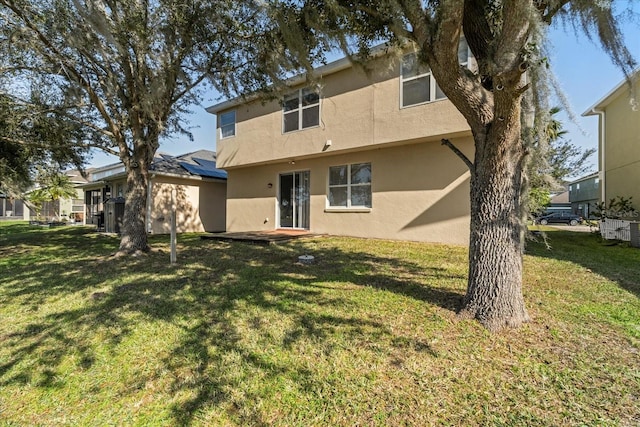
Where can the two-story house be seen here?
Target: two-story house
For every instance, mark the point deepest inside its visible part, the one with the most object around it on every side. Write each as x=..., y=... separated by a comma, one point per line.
x=356, y=154
x=619, y=141
x=584, y=194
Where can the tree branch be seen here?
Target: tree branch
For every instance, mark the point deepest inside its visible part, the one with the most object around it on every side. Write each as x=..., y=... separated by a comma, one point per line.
x=67, y=68
x=459, y=153
x=49, y=146
x=548, y=11
x=514, y=35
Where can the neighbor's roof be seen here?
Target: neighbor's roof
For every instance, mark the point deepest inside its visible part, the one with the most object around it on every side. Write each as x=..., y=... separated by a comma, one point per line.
x=199, y=163
x=560, y=197
x=621, y=88
x=76, y=176
x=586, y=177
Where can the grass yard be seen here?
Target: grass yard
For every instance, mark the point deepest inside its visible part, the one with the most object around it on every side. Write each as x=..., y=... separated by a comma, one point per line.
x=242, y=335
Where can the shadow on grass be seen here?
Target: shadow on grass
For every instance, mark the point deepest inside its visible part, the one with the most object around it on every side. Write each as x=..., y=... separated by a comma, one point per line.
x=616, y=261
x=217, y=294
x=271, y=280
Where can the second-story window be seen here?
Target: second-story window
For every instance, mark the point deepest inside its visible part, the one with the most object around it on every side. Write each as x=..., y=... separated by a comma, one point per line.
x=300, y=110
x=417, y=84
x=227, y=124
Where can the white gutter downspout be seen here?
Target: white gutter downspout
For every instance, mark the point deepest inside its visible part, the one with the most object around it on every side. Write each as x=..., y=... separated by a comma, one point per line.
x=603, y=171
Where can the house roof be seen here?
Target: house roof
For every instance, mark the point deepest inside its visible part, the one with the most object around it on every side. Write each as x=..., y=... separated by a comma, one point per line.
x=618, y=90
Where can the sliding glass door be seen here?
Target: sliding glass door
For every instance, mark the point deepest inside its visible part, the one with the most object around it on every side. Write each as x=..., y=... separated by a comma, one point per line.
x=294, y=200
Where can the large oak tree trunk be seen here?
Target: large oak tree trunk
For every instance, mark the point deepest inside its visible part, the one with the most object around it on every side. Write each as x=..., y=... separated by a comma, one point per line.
x=494, y=292
x=134, y=233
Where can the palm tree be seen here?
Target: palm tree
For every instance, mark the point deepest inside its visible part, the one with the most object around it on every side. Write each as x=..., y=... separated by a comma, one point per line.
x=554, y=127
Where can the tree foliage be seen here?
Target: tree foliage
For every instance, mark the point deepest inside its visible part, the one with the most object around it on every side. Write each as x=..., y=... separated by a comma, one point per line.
x=567, y=160
x=619, y=207
x=34, y=135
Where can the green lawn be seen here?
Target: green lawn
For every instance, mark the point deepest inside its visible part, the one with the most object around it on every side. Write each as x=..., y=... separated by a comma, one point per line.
x=240, y=334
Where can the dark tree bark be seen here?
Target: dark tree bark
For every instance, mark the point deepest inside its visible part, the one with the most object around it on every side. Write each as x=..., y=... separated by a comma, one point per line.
x=490, y=102
x=134, y=232
x=137, y=163
x=494, y=290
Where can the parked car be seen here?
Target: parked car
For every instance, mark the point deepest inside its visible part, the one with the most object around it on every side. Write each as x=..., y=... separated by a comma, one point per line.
x=560, y=218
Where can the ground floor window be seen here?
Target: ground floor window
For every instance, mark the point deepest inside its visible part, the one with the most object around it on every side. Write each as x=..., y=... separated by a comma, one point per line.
x=350, y=186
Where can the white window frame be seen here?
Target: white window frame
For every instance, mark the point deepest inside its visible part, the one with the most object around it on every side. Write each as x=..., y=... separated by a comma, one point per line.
x=349, y=186
x=427, y=74
x=433, y=86
x=227, y=125
x=299, y=111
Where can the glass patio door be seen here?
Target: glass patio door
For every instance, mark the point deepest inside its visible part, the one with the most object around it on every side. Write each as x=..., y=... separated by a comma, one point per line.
x=294, y=200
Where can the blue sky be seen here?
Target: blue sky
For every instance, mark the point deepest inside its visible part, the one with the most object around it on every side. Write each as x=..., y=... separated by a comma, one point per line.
x=585, y=74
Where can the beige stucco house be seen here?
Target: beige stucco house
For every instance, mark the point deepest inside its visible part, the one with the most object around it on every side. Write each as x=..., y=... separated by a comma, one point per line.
x=356, y=154
x=200, y=193
x=619, y=141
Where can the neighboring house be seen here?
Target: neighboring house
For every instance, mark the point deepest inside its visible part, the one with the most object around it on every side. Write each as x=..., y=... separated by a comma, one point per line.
x=584, y=194
x=98, y=190
x=71, y=210
x=68, y=209
x=74, y=209
x=358, y=154
x=200, y=194
x=12, y=209
x=619, y=141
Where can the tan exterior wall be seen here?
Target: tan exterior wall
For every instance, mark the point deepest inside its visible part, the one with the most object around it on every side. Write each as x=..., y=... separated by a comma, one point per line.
x=622, y=149
x=213, y=206
x=356, y=112
x=201, y=205
x=419, y=192
x=66, y=205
